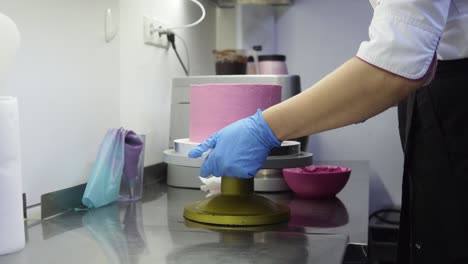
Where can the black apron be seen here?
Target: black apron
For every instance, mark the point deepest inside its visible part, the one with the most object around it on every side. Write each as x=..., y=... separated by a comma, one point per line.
x=434, y=133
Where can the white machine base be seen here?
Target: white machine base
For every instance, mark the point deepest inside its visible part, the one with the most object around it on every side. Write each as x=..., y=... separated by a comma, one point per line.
x=184, y=172
x=187, y=177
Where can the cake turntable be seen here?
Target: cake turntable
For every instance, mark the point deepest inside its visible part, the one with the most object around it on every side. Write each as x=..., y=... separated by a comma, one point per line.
x=212, y=107
x=237, y=204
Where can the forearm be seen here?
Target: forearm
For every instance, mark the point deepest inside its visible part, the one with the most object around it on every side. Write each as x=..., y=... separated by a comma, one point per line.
x=354, y=92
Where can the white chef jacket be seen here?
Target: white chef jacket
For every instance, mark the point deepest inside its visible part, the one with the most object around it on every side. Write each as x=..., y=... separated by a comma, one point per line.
x=404, y=35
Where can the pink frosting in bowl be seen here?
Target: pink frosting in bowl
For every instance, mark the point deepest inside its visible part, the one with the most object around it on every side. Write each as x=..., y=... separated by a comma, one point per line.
x=322, y=181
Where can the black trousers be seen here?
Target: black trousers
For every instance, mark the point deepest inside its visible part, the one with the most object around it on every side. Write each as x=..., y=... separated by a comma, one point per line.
x=434, y=132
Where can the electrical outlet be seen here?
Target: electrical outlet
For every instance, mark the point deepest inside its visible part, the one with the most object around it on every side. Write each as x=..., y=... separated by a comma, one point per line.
x=151, y=33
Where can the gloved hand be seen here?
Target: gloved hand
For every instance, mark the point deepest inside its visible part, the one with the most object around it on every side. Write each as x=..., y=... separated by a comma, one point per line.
x=238, y=150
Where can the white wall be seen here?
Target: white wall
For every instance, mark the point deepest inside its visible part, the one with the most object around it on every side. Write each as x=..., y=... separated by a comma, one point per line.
x=256, y=26
x=318, y=36
x=72, y=85
x=146, y=72
x=226, y=28
x=66, y=79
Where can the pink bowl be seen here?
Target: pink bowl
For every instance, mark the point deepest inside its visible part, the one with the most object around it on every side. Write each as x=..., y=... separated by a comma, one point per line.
x=317, y=181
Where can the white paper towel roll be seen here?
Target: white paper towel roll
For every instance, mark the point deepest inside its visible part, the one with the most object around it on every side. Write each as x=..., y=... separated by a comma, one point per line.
x=12, y=236
x=9, y=40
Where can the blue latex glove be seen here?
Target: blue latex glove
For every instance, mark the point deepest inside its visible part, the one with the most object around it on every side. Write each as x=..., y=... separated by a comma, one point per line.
x=238, y=150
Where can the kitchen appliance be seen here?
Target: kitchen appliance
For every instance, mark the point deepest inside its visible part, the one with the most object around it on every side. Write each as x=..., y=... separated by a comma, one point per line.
x=184, y=172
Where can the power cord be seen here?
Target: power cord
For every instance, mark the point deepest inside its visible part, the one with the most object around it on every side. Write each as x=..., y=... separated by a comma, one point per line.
x=186, y=51
x=171, y=35
x=377, y=214
x=171, y=39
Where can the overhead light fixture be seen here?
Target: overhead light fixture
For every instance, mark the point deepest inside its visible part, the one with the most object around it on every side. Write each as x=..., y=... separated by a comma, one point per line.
x=265, y=2
x=232, y=3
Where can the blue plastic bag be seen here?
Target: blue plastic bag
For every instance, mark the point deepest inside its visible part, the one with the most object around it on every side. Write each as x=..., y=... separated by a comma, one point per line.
x=104, y=183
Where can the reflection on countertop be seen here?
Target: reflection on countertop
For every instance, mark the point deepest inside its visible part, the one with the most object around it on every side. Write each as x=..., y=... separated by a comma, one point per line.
x=318, y=213
x=154, y=231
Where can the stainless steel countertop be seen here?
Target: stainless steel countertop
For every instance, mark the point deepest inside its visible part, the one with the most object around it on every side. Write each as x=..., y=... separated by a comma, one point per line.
x=153, y=231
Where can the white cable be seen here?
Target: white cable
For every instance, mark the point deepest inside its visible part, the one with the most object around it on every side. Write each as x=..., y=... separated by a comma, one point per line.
x=194, y=23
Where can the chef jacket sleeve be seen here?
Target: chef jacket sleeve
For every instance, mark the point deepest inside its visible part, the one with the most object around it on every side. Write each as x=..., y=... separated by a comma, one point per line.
x=404, y=36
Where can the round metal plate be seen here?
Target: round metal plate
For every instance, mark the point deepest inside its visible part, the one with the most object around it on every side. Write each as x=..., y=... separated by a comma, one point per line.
x=184, y=146
x=293, y=161
x=287, y=148
x=273, y=162
x=269, y=173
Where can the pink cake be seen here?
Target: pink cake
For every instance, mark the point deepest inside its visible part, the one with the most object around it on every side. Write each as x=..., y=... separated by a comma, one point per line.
x=214, y=106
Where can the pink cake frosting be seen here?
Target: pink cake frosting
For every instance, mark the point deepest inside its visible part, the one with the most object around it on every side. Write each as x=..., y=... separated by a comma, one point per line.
x=214, y=106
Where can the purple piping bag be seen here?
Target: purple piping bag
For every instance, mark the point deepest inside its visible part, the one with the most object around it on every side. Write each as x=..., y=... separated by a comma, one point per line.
x=133, y=148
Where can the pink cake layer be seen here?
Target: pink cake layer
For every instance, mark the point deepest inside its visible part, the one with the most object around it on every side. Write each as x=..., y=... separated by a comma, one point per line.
x=214, y=106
